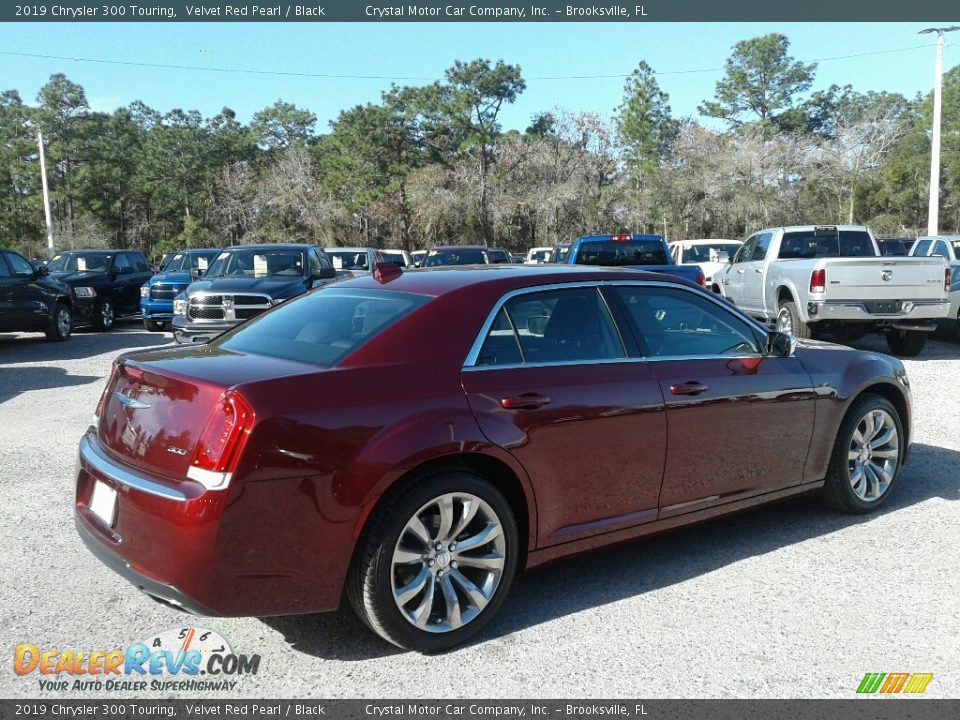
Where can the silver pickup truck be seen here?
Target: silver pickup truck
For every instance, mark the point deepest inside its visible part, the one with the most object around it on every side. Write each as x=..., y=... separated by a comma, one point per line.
x=807, y=279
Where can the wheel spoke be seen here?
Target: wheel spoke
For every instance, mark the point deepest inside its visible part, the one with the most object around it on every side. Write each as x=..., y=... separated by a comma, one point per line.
x=853, y=455
x=452, y=602
x=872, y=482
x=422, y=614
x=886, y=454
x=403, y=556
x=484, y=562
x=445, y=504
x=475, y=594
x=869, y=429
x=880, y=472
x=489, y=532
x=883, y=439
x=409, y=591
x=417, y=527
x=469, y=511
x=857, y=480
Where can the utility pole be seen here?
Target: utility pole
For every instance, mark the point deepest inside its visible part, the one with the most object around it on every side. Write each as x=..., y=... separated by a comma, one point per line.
x=933, y=213
x=46, y=195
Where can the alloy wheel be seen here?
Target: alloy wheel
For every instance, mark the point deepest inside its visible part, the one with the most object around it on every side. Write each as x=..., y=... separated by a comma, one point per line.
x=873, y=455
x=448, y=562
x=106, y=315
x=63, y=321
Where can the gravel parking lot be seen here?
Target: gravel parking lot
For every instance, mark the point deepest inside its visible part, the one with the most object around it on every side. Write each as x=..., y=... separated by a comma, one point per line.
x=783, y=601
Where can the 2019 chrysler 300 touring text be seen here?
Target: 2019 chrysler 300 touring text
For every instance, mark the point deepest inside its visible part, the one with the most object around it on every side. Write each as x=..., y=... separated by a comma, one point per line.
x=542, y=412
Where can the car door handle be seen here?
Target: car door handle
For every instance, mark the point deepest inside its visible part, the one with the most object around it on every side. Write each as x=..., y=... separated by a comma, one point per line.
x=527, y=401
x=758, y=270
x=691, y=387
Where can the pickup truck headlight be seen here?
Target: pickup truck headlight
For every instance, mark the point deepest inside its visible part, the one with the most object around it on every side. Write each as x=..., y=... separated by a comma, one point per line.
x=144, y=291
x=84, y=292
x=180, y=307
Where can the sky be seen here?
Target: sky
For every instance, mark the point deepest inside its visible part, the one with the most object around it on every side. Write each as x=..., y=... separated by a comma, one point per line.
x=688, y=57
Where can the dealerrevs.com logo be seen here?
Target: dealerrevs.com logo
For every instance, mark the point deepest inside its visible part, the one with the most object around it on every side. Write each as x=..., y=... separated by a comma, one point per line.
x=894, y=683
x=182, y=659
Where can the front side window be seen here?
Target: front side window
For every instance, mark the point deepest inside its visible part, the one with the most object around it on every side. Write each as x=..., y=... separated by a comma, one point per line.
x=940, y=248
x=760, y=249
x=745, y=253
x=20, y=266
x=554, y=326
x=122, y=264
x=921, y=248
x=139, y=264
x=716, y=252
x=87, y=262
x=322, y=327
x=349, y=259
x=677, y=323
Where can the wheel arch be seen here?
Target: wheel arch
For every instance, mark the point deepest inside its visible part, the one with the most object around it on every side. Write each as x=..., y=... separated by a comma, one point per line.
x=890, y=392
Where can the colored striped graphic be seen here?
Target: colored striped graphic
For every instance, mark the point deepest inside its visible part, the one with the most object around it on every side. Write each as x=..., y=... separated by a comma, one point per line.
x=891, y=683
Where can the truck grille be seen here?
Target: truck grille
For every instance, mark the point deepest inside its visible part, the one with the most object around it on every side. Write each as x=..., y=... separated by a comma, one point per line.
x=228, y=308
x=163, y=291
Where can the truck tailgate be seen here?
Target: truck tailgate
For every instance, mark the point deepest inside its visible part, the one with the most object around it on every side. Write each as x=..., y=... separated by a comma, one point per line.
x=884, y=278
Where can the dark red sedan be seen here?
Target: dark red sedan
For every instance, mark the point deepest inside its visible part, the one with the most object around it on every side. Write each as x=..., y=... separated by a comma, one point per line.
x=414, y=439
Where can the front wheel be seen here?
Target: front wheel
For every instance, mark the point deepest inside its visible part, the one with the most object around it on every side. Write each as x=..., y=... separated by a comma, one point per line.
x=866, y=457
x=436, y=562
x=788, y=320
x=155, y=325
x=61, y=324
x=906, y=343
x=104, y=316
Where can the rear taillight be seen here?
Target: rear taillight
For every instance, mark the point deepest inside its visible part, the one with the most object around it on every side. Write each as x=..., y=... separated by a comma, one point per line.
x=621, y=237
x=701, y=280
x=818, y=280
x=946, y=279
x=221, y=443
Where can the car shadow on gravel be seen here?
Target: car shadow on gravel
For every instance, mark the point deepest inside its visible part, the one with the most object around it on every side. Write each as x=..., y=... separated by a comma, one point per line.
x=23, y=379
x=644, y=565
x=938, y=347
x=35, y=348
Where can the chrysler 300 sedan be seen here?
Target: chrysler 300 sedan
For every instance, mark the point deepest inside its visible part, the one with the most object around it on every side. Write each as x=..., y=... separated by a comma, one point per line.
x=543, y=411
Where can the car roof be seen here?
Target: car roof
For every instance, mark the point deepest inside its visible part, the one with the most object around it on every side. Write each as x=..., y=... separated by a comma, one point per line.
x=269, y=246
x=446, y=279
x=98, y=250
x=705, y=241
x=807, y=228
x=349, y=249
x=635, y=236
x=447, y=248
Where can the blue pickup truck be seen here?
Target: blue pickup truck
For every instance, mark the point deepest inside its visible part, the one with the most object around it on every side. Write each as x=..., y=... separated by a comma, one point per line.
x=643, y=252
x=156, y=296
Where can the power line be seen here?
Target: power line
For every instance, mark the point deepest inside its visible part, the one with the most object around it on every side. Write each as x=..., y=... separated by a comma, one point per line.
x=346, y=76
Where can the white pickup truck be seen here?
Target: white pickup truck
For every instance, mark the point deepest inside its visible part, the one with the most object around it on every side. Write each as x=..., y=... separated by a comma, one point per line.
x=807, y=279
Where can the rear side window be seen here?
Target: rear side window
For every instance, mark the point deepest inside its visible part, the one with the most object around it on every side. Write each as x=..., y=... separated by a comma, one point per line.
x=676, y=323
x=323, y=327
x=554, y=326
x=139, y=264
x=921, y=248
x=843, y=243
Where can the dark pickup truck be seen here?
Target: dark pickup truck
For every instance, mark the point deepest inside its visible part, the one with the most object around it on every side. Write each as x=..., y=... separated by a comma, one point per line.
x=245, y=280
x=106, y=283
x=643, y=252
x=30, y=301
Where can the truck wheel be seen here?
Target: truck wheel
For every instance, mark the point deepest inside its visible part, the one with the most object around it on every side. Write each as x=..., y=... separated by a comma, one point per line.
x=866, y=457
x=435, y=561
x=61, y=324
x=103, y=316
x=788, y=320
x=155, y=325
x=906, y=343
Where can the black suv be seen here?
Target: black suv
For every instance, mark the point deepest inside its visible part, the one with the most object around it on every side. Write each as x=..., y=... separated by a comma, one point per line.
x=106, y=283
x=30, y=301
x=245, y=280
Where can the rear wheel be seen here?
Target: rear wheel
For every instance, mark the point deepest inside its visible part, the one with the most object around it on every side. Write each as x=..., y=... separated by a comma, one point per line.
x=788, y=320
x=104, y=316
x=866, y=457
x=61, y=324
x=436, y=562
x=155, y=325
x=906, y=343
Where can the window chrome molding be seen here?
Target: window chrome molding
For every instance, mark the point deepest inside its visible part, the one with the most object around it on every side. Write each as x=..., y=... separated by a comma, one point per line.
x=470, y=363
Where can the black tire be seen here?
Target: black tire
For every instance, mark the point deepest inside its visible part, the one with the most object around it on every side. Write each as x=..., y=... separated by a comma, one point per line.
x=906, y=343
x=370, y=584
x=155, y=325
x=104, y=315
x=789, y=314
x=61, y=323
x=838, y=489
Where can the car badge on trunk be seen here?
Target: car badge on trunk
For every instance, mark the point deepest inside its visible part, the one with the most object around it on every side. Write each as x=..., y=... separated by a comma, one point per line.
x=886, y=274
x=176, y=450
x=130, y=402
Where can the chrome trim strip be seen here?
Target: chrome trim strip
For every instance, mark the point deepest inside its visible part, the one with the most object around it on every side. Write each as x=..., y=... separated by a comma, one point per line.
x=92, y=455
x=470, y=363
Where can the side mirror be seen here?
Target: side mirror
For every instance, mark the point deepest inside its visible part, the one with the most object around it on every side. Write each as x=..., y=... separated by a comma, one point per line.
x=781, y=344
x=40, y=271
x=323, y=273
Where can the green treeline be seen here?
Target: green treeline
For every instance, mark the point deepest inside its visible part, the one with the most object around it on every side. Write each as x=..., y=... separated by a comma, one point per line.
x=432, y=164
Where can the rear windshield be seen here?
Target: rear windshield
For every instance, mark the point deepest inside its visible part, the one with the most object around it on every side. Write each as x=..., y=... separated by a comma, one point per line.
x=80, y=262
x=323, y=327
x=622, y=252
x=436, y=258
x=843, y=243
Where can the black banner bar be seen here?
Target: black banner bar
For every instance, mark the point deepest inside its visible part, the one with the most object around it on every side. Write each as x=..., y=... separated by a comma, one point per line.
x=477, y=11
x=117, y=708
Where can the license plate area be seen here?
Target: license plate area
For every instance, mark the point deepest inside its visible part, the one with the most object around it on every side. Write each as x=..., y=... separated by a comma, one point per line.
x=884, y=307
x=103, y=503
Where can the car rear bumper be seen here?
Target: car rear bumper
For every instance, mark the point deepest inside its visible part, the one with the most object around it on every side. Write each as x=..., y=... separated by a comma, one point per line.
x=247, y=550
x=860, y=311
